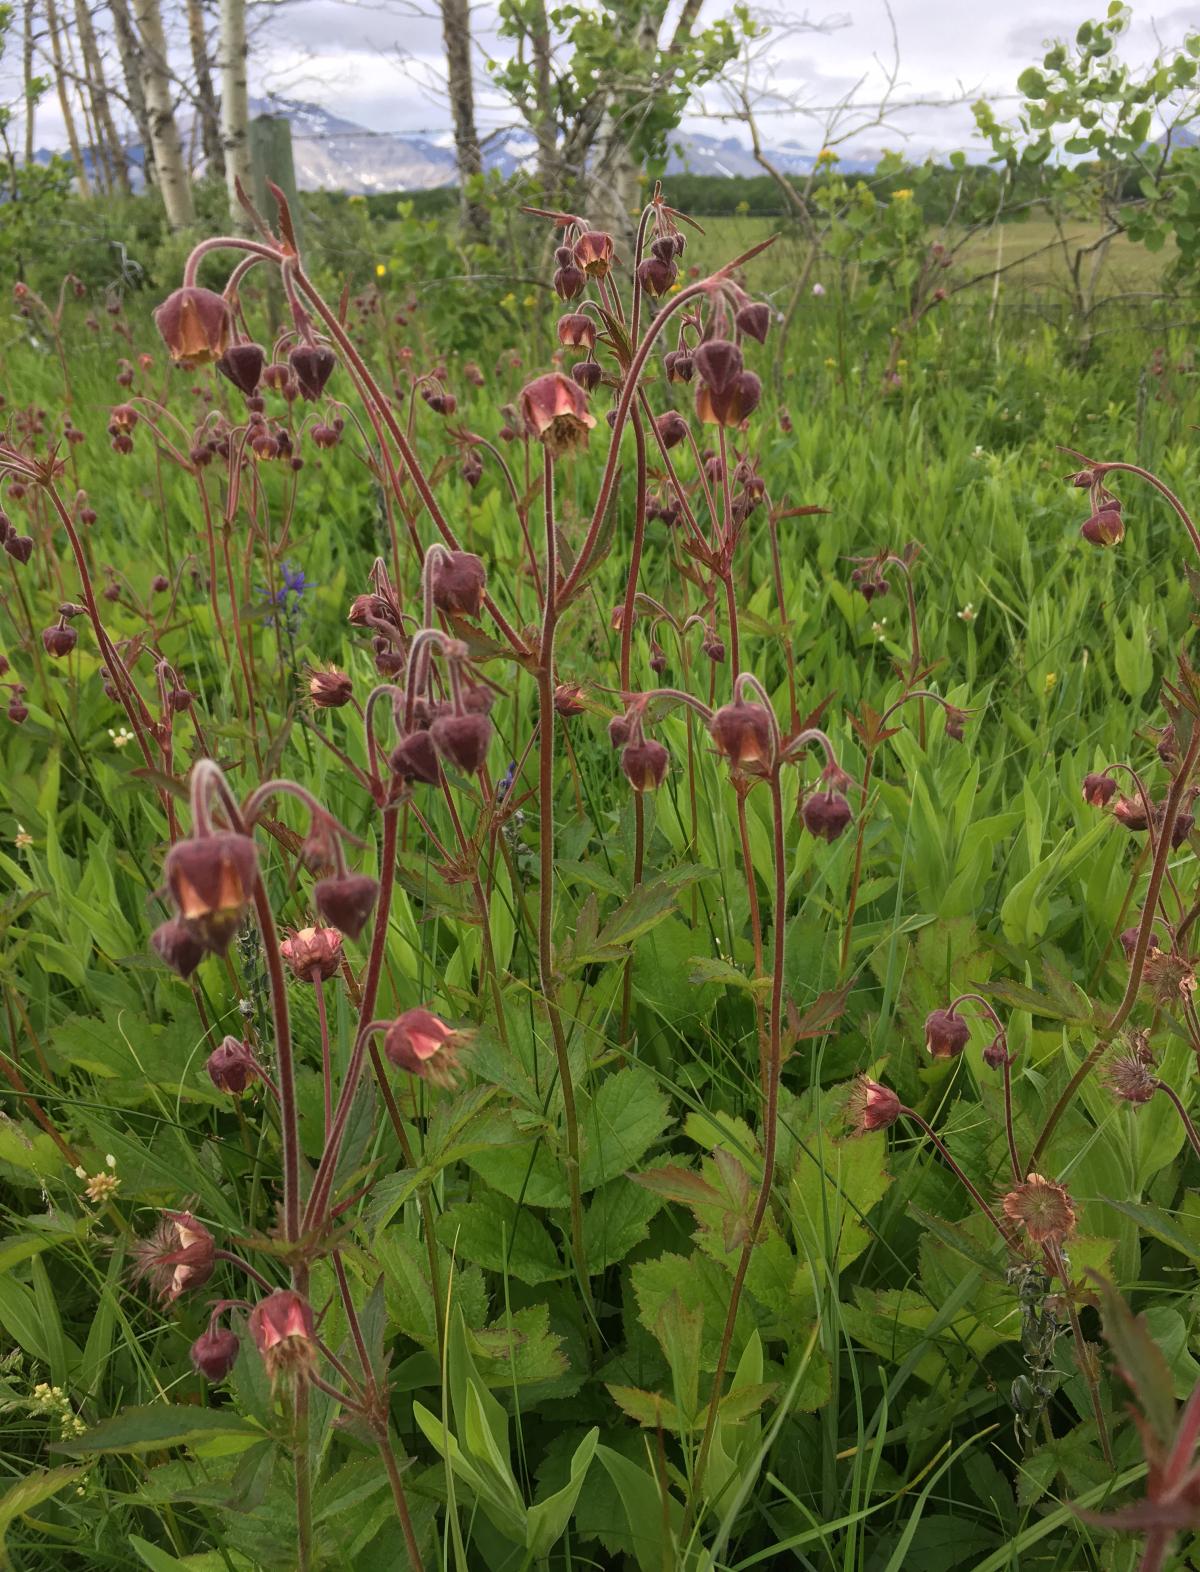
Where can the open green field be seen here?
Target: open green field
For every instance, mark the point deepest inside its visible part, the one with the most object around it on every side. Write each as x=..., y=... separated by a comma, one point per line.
x=536, y=1212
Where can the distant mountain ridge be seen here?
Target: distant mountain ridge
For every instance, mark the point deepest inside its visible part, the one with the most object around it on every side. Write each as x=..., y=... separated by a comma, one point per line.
x=335, y=154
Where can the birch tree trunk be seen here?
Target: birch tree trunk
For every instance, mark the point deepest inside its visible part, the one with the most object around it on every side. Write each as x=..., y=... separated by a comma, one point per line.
x=93, y=68
x=206, y=98
x=160, y=112
x=64, y=97
x=130, y=52
x=235, y=103
x=27, y=80
x=456, y=37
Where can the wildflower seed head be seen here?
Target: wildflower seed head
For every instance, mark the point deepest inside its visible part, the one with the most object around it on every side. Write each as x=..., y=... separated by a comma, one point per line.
x=177, y=1258
x=871, y=1106
x=421, y=1043
x=329, y=689
x=195, y=325
x=1130, y=1077
x=346, y=901
x=1131, y=812
x=1042, y=1209
x=211, y=880
x=214, y=1353
x=946, y=1034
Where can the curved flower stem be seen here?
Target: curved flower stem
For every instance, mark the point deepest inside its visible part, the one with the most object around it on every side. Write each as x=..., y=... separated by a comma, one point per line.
x=770, y=1123
x=931, y=1133
x=251, y=1272
x=546, y=726
x=1163, y=490
x=1188, y=1127
x=1137, y=963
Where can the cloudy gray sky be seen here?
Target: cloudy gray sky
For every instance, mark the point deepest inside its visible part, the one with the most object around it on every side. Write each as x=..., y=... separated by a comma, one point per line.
x=378, y=63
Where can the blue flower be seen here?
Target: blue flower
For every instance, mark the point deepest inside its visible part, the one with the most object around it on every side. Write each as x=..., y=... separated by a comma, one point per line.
x=287, y=597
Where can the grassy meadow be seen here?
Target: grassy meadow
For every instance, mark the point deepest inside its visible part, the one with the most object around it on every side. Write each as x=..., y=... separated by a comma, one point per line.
x=619, y=1273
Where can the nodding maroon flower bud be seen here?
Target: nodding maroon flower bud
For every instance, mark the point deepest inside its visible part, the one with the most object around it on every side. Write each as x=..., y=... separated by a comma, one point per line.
x=656, y=276
x=312, y=366
x=663, y=247
x=463, y=739
x=179, y=699
x=1129, y=939
x=826, y=814
x=1166, y=746
x=421, y=1043
x=201, y=454
x=448, y=404
x=996, y=1054
x=17, y=712
x=177, y=1257
x=159, y=583
x=588, y=374
x=946, y=1034
x=473, y=374
x=19, y=547
x=1042, y=1208
x=284, y=1333
x=122, y=442
x=122, y=417
x=1185, y=823
x=593, y=252
x=211, y=880
x=477, y=699
x=672, y=428
x=243, y=365
x=5, y=668
x=569, y=282
x=576, y=330
x=326, y=436
x=195, y=325
x=568, y=699
x=59, y=640
x=742, y=733
x=680, y=365
x=415, y=758
x=1105, y=528
x=645, y=764
x=754, y=319
x=214, y=1353
x=719, y=363
x=313, y=954
x=730, y=405
x=871, y=1106
x=956, y=721
x=231, y=1066
x=346, y=901
x=555, y=410
x=366, y=610
x=458, y=580
x=563, y=256
x=178, y=946
x=471, y=468
x=1131, y=812
x=330, y=689
x=1099, y=789
x=658, y=660
x=714, y=647
x=618, y=730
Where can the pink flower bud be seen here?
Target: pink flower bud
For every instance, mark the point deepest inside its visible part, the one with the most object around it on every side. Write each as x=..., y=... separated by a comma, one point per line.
x=463, y=739
x=594, y=253
x=312, y=366
x=285, y=1335
x=555, y=410
x=1099, y=789
x=243, y=365
x=177, y=1257
x=742, y=733
x=421, y=1043
x=177, y=946
x=644, y=763
x=313, y=954
x=826, y=814
x=946, y=1034
x=346, y=901
x=871, y=1106
x=458, y=580
x=211, y=880
x=214, y=1353
x=231, y=1066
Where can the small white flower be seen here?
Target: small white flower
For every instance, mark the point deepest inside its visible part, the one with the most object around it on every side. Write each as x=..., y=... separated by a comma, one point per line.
x=967, y=614
x=81, y=1172
x=977, y=451
x=110, y=1160
x=818, y=290
x=22, y=838
x=879, y=629
x=120, y=738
